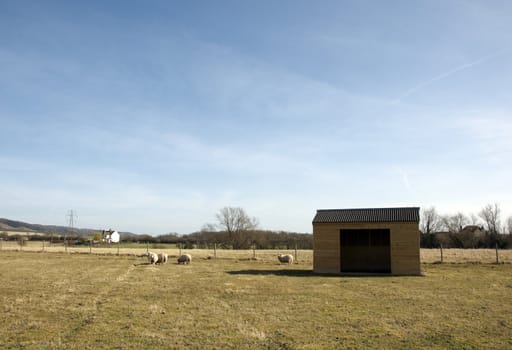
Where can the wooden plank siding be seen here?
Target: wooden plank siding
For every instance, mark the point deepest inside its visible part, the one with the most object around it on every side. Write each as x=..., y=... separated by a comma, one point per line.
x=404, y=246
x=326, y=248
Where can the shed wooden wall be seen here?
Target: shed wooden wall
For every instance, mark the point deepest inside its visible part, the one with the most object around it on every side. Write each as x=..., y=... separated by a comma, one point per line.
x=404, y=245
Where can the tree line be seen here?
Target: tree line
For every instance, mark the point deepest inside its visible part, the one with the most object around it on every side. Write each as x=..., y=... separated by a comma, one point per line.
x=234, y=229
x=482, y=230
x=257, y=239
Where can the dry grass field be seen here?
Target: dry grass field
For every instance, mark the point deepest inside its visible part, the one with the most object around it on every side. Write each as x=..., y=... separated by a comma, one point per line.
x=84, y=301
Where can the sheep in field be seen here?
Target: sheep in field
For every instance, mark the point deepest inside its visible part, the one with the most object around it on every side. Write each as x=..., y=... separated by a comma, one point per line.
x=184, y=259
x=152, y=257
x=162, y=258
x=285, y=258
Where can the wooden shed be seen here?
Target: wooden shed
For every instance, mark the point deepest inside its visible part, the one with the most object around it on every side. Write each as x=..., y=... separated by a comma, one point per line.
x=376, y=240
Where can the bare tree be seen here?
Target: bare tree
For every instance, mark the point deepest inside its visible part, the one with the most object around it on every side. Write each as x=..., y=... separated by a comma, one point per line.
x=208, y=228
x=474, y=219
x=238, y=225
x=430, y=221
x=490, y=214
x=455, y=223
x=509, y=225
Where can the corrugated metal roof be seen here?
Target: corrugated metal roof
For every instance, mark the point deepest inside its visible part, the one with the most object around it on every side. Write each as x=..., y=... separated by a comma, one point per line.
x=410, y=214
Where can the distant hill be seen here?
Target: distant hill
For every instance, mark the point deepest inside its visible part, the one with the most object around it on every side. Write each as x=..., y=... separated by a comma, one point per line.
x=13, y=225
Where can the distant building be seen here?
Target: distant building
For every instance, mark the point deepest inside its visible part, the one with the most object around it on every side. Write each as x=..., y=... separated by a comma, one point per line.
x=377, y=240
x=111, y=236
x=474, y=230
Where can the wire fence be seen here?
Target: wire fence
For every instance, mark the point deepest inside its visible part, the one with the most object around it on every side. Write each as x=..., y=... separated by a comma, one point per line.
x=428, y=256
x=173, y=250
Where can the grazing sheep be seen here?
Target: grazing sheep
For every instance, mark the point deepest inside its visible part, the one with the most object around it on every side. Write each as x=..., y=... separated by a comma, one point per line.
x=162, y=258
x=152, y=257
x=184, y=259
x=285, y=258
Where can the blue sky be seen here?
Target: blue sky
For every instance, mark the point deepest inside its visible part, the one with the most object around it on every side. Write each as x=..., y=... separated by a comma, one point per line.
x=150, y=116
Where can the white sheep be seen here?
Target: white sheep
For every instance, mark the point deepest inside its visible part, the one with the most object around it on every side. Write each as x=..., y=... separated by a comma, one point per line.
x=184, y=259
x=285, y=258
x=162, y=258
x=152, y=257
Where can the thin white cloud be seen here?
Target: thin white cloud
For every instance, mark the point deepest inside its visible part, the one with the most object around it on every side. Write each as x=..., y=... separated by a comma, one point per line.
x=444, y=76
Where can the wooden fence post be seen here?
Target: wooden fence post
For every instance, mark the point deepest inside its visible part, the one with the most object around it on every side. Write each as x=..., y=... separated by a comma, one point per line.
x=497, y=256
x=147, y=246
x=215, y=250
x=90, y=246
x=441, y=247
x=254, y=251
x=296, y=251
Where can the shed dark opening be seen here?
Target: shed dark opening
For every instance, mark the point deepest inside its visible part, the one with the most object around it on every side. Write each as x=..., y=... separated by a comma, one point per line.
x=365, y=250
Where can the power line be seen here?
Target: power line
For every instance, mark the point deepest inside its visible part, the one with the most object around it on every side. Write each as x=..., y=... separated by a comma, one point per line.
x=71, y=215
x=71, y=220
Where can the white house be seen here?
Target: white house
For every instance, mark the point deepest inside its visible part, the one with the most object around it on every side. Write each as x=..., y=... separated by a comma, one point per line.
x=111, y=236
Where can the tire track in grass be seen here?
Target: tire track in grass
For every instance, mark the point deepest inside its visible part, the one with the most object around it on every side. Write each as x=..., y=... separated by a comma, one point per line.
x=97, y=301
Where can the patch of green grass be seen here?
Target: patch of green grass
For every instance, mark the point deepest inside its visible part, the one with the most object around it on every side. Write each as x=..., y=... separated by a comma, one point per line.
x=81, y=301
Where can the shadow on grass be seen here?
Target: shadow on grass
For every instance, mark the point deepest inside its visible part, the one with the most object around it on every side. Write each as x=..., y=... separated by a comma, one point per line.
x=307, y=273
x=150, y=264
x=293, y=273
